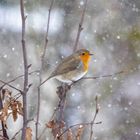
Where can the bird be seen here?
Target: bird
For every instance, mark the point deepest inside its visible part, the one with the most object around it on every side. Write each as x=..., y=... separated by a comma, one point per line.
x=72, y=68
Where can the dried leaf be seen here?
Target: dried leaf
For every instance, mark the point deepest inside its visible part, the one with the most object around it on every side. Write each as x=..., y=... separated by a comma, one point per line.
x=60, y=138
x=51, y=124
x=58, y=130
x=69, y=135
x=20, y=107
x=5, y=108
x=10, y=103
x=62, y=124
x=14, y=110
x=6, y=94
x=4, y=114
x=79, y=132
x=28, y=133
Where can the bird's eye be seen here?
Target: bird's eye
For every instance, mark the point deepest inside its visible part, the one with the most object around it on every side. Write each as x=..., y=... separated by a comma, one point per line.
x=83, y=53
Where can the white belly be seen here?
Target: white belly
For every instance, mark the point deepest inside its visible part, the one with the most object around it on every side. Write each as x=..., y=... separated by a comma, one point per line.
x=70, y=77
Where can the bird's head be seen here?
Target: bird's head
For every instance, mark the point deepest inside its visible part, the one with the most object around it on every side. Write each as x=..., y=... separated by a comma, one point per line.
x=85, y=56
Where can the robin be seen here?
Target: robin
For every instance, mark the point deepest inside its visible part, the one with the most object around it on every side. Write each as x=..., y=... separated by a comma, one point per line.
x=72, y=68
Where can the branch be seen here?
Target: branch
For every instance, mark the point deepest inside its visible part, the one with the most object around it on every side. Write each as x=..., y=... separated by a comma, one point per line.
x=25, y=88
x=14, y=137
x=61, y=92
x=80, y=28
x=5, y=135
x=85, y=124
x=79, y=124
x=41, y=67
x=95, y=115
x=98, y=77
x=8, y=83
x=103, y=76
x=1, y=104
x=20, y=76
x=5, y=83
x=43, y=131
x=57, y=123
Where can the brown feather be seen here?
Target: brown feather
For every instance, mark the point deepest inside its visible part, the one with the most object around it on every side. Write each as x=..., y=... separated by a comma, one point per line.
x=68, y=64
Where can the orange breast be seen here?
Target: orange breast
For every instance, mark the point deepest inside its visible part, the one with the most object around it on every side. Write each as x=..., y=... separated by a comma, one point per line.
x=85, y=59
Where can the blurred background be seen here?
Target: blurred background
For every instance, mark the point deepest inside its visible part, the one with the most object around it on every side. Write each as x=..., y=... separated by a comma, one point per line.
x=111, y=32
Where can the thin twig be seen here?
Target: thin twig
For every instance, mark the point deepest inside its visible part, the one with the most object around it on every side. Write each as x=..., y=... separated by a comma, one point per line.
x=86, y=123
x=24, y=51
x=98, y=77
x=5, y=83
x=8, y=83
x=78, y=124
x=5, y=135
x=95, y=115
x=14, y=137
x=41, y=134
x=43, y=131
x=41, y=67
x=80, y=28
x=55, y=110
x=103, y=76
x=16, y=78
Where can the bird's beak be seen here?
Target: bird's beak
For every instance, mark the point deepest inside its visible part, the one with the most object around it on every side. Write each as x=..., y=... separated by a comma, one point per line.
x=91, y=54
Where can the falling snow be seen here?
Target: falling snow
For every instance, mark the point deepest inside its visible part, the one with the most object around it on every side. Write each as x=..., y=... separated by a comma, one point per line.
x=118, y=37
x=81, y=3
x=111, y=30
x=138, y=83
x=130, y=103
x=109, y=105
x=13, y=49
x=5, y=55
x=8, y=74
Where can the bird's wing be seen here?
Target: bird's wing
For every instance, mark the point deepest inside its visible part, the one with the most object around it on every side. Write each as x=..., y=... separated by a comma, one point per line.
x=67, y=65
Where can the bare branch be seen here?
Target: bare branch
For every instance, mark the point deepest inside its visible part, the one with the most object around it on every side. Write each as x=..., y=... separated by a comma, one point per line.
x=14, y=137
x=5, y=135
x=24, y=51
x=41, y=67
x=41, y=134
x=80, y=28
x=8, y=83
x=43, y=131
x=95, y=115
x=86, y=123
x=75, y=125
x=98, y=77
x=5, y=83
x=103, y=76
x=57, y=123
x=16, y=78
